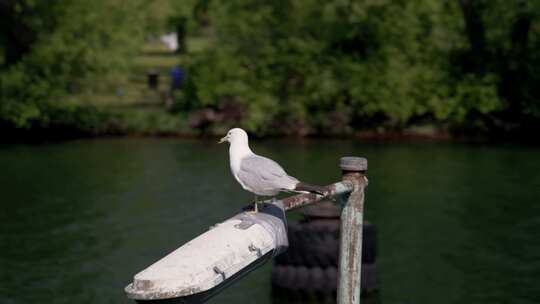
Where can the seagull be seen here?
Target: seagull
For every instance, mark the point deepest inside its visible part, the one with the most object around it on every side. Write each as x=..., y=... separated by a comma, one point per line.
x=258, y=174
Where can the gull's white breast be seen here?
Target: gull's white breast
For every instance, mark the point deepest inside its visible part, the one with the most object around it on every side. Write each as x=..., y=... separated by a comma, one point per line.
x=236, y=153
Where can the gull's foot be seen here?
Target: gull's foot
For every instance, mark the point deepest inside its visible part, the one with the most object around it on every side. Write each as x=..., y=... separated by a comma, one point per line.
x=255, y=209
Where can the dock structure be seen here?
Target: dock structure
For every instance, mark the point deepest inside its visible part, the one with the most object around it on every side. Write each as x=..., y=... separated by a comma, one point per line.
x=206, y=265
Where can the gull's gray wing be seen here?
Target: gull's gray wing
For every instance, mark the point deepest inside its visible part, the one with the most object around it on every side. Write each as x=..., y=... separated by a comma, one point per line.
x=264, y=176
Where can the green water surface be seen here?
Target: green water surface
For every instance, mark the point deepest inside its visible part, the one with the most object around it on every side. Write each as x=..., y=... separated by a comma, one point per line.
x=457, y=223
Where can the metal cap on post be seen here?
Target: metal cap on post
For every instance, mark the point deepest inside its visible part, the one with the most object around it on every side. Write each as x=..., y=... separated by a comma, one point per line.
x=353, y=163
x=350, y=254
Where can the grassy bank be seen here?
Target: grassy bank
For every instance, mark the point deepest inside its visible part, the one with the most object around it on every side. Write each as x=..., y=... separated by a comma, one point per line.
x=128, y=107
x=122, y=106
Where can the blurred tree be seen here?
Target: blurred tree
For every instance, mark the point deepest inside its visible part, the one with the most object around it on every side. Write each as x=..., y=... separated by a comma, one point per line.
x=53, y=48
x=503, y=40
x=291, y=66
x=299, y=66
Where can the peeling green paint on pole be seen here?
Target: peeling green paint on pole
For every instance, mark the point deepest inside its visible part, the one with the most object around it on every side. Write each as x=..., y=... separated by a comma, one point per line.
x=350, y=258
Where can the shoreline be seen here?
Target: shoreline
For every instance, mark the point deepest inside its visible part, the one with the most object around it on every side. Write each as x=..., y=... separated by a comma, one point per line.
x=17, y=136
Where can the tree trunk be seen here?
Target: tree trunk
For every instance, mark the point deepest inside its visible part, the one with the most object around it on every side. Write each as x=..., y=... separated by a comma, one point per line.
x=475, y=30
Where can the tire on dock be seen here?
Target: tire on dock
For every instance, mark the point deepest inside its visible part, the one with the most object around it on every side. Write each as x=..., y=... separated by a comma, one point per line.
x=310, y=265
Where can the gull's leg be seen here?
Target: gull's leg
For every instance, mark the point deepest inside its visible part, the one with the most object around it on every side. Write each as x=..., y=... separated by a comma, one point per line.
x=255, y=206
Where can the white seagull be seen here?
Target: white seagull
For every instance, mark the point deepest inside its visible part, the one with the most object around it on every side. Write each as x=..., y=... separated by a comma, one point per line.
x=257, y=174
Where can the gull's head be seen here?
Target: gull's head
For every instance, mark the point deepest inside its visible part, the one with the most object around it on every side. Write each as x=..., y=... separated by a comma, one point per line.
x=235, y=135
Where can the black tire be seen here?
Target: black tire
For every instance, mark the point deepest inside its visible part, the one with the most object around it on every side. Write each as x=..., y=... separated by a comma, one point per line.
x=369, y=243
x=309, y=266
x=316, y=244
x=319, y=280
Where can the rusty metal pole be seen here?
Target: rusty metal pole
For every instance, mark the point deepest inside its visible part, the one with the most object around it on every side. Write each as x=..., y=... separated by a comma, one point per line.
x=350, y=254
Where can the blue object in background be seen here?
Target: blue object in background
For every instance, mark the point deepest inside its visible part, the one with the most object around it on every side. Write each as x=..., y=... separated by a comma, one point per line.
x=177, y=77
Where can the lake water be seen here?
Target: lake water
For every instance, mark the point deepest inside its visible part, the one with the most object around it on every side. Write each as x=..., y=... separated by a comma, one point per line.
x=457, y=223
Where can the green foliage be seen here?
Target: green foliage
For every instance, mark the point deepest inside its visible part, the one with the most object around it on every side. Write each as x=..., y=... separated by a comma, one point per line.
x=309, y=66
x=293, y=64
x=140, y=121
x=19, y=104
x=77, y=46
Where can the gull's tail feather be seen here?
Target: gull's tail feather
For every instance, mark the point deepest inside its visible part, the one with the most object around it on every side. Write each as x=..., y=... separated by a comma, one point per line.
x=303, y=187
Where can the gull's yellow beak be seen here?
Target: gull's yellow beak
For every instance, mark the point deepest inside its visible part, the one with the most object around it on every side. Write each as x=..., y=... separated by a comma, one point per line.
x=222, y=140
